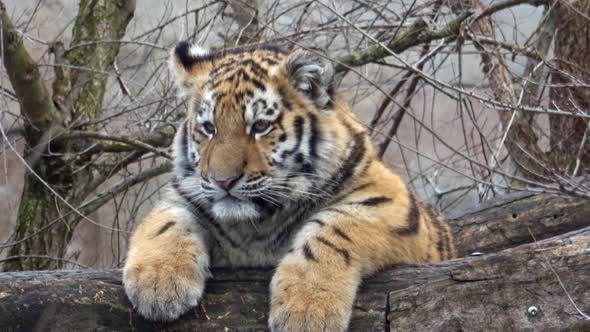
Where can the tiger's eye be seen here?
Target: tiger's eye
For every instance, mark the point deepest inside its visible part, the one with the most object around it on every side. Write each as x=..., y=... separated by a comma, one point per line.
x=260, y=126
x=208, y=128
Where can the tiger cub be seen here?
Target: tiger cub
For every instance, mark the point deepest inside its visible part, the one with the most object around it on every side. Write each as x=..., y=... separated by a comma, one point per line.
x=273, y=169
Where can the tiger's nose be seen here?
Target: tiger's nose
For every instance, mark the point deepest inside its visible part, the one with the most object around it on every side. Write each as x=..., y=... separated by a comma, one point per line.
x=226, y=183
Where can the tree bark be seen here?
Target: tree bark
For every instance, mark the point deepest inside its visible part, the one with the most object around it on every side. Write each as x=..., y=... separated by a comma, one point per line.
x=521, y=139
x=26, y=80
x=41, y=119
x=481, y=293
x=516, y=219
x=499, y=292
x=44, y=223
x=490, y=292
x=570, y=136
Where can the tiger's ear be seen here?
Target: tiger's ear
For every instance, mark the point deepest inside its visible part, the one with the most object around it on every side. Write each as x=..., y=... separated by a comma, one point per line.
x=191, y=65
x=313, y=75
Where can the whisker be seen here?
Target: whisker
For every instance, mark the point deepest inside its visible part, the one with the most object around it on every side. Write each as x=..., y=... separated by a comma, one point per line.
x=282, y=186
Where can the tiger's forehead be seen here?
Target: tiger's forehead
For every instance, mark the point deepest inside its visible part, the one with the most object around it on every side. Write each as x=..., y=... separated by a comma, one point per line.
x=240, y=78
x=242, y=73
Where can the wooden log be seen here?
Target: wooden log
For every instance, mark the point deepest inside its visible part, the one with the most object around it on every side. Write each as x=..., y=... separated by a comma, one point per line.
x=517, y=219
x=487, y=292
x=475, y=293
x=543, y=286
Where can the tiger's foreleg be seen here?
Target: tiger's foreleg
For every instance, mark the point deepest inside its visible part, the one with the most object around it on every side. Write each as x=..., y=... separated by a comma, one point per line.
x=167, y=264
x=314, y=286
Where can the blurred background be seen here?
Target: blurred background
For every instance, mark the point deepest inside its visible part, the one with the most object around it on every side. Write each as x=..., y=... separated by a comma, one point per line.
x=466, y=99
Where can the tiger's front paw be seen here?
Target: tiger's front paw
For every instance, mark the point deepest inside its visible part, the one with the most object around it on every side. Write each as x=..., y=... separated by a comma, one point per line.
x=163, y=288
x=300, y=306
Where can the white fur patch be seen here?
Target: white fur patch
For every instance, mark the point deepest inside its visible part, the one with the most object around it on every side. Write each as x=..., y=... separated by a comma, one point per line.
x=206, y=110
x=305, y=234
x=198, y=51
x=306, y=74
x=233, y=209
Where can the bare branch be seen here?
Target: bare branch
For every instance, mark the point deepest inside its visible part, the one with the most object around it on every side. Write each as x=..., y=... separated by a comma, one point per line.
x=159, y=138
x=36, y=105
x=416, y=34
x=103, y=197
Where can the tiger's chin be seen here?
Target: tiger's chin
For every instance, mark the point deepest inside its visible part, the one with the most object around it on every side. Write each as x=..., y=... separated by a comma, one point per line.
x=233, y=209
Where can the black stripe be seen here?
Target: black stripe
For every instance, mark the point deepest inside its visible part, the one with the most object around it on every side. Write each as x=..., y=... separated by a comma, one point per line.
x=352, y=191
x=341, y=233
x=346, y=171
x=314, y=134
x=279, y=122
x=308, y=254
x=330, y=92
x=284, y=100
x=298, y=126
x=341, y=251
x=289, y=226
x=373, y=201
x=264, y=208
x=187, y=168
x=430, y=211
x=447, y=239
x=270, y=61
x=364, y=170
x=217, y=82
x=440, y=232
x=240, y=72
x=184, y=133
x=413, y=219
x=296, y=219
x=165, y=228
x=263, y=102
x=221, y=69
x=254, y=67
x=361, y=187
x=259, y=85
x=440, y=243
x=287, y=230
x=308, y=167
x=449, y=243
x=239, y=98
x=219, y=95
x=223, y=234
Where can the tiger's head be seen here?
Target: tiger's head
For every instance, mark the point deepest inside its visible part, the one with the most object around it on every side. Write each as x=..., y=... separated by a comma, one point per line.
x=257, y=135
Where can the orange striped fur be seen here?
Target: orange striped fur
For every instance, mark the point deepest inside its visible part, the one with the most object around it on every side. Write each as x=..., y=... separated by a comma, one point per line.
x=273, y=169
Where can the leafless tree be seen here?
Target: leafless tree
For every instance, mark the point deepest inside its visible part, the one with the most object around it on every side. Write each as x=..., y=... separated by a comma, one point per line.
x=460, y=99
